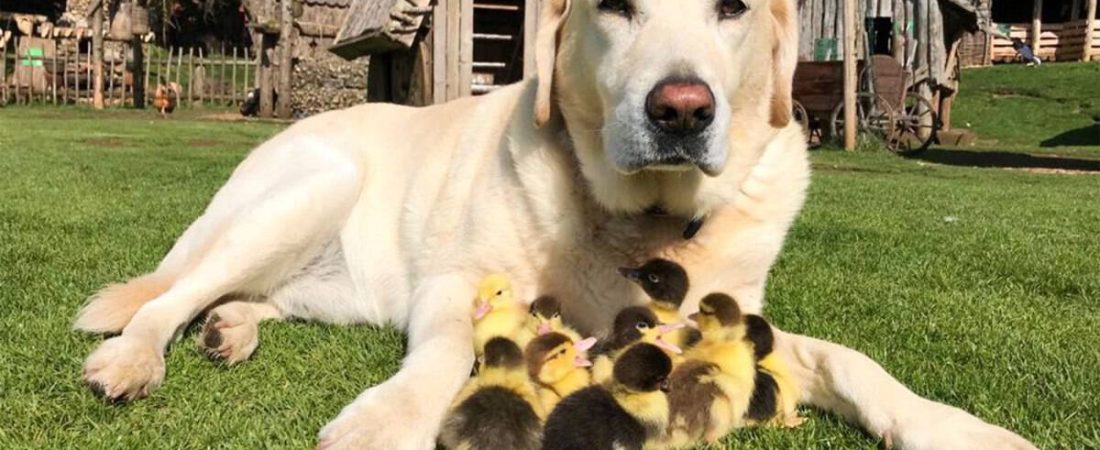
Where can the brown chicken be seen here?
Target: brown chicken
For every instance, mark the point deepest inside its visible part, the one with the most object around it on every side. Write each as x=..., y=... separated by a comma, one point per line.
x=166, y=97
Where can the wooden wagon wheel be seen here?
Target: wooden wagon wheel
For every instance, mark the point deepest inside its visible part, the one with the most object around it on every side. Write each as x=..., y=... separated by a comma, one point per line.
x=874, y=117
x=799, y=114
x=916, y=126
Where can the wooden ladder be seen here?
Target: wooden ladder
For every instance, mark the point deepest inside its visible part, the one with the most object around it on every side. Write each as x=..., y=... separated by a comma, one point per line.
x=497, y=44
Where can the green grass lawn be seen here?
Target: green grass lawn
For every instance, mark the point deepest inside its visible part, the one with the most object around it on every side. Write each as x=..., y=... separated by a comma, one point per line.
x=975, y=287
x=1050, y=109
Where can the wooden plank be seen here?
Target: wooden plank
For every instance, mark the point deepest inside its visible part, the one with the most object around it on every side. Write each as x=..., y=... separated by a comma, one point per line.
x=530, y=31
x=64, y=78
x=850, y=82
x=267, y=89
x=233, y=83
x=248, y=65
x=179, y=68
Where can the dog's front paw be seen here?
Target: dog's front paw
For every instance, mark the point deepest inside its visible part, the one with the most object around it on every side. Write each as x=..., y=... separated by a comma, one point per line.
x=942, y=427
x=124, y=369
x=229, y=336
x=381, y=419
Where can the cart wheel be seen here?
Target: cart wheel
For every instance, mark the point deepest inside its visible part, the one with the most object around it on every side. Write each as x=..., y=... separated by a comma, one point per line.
x=874, y=117
x=916, y=126
x=799, y=114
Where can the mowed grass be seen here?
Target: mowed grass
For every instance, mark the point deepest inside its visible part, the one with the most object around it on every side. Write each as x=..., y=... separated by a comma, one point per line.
x=1050, y=109
x=975, y=287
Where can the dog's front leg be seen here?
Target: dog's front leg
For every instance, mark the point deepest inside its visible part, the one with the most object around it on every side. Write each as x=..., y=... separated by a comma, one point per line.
x=843, y=381
x=405, y=412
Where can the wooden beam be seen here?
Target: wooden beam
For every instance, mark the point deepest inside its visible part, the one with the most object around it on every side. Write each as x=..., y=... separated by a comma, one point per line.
x=1090, y=26
x=1036, y=25
x=97, y=54
x=439, y=52
x=530, y=30
x=850, y=75
x=466, y=50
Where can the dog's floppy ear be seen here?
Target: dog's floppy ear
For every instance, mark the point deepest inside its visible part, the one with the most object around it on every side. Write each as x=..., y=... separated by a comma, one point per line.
x=546, y=50
x=784, y=59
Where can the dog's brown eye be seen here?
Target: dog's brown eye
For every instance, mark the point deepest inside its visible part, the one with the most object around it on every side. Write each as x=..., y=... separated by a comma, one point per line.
x=620, y=7
x=731, y=9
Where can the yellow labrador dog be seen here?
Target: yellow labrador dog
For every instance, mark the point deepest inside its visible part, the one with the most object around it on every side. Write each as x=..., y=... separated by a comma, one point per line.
x=646, y=119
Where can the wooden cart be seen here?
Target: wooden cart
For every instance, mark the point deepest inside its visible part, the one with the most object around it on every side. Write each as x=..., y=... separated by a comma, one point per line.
x=887, y=108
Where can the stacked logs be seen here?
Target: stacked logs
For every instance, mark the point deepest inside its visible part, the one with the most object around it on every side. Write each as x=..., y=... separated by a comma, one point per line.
x=323, y=82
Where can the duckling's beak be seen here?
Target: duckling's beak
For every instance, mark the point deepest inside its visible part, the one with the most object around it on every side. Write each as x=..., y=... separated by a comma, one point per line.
x=694, y=318
x=585, y=344
x=483, y=308
x=664, y=329
x=631, y=274
x=581, y=361
x=544, y=327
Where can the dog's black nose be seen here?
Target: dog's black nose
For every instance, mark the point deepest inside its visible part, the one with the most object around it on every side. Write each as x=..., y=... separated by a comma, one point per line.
x=680, y=106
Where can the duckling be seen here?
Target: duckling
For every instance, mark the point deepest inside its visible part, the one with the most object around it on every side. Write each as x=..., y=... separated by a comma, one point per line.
x=544, y=317
x=723, y=345
x=775, y=396
x=558, y=366
x=666, y=283
x=496, y=312
x=624, y=413
x=633, y=324
x=498, y=408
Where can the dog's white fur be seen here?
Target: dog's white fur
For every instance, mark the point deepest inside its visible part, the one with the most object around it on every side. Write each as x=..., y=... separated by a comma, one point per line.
x=387, y=214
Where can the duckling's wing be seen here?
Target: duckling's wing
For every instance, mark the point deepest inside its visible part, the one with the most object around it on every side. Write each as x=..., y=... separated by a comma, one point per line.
x=691, y=395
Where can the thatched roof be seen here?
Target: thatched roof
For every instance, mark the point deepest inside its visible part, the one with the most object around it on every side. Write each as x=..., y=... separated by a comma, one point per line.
x=368, y=29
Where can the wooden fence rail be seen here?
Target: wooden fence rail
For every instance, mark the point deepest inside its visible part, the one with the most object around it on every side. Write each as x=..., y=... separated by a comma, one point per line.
x=59, y=71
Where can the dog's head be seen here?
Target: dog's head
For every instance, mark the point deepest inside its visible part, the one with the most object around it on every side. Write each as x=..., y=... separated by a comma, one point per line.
x=663, y=98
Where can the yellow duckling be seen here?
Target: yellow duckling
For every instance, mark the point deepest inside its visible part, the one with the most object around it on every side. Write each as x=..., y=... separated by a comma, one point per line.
x=558, y=365
x=496, y=312
x=775, y=396
x=498, y=408
x=633, y=325
x=628, y=412
x=723, y=345
x=544, y=317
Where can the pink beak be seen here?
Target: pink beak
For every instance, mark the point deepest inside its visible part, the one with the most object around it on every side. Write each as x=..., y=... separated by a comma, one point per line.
x=544, y=328
x=482, y=310
x=585, y=344
x=662, y=330
x=581, y=361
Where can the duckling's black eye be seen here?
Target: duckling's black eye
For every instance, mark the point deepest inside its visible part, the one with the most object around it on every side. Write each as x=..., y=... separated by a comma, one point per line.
x=556, y=315
x=620, y=7
x=731, y=9
x=500, y=292
x=653, y=278
x=642, y=326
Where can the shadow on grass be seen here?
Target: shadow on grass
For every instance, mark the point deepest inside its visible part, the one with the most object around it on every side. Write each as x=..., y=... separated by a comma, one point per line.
x=1083, y=136
x=1001, y=159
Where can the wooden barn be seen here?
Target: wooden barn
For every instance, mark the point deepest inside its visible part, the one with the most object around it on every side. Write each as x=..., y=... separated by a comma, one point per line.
x=1056, y=30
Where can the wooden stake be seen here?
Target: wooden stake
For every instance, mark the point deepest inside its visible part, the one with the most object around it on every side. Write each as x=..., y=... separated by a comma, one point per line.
x=850, y=75
x=267, y=53
x=145, y=81
x=53, y=73
x=233, y=83
x=249, y=85
x=191, y=76
x=1036, y=26
x=97, y=54
x=4, y=74
x=64, y=78
x=179, y=67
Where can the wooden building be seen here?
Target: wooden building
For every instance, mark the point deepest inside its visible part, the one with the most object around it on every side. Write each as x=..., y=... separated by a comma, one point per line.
x=1056, y=30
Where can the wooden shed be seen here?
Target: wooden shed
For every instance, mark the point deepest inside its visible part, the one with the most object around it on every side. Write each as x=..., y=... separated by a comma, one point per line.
x=1056, y=30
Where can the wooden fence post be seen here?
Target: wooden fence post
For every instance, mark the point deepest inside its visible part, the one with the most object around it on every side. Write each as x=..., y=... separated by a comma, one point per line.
x=1090, y=31
x=3, y=73
x=53, y=73
x=97, y=54
x=1036, y=26
x=850, y=75
x=286, y=40
x=191, y=76
x=267, y=106
x=233, y=83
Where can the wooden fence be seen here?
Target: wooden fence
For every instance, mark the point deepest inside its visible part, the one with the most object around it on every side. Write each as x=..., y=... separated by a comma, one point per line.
x=1057, y=41
x=59, y=71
